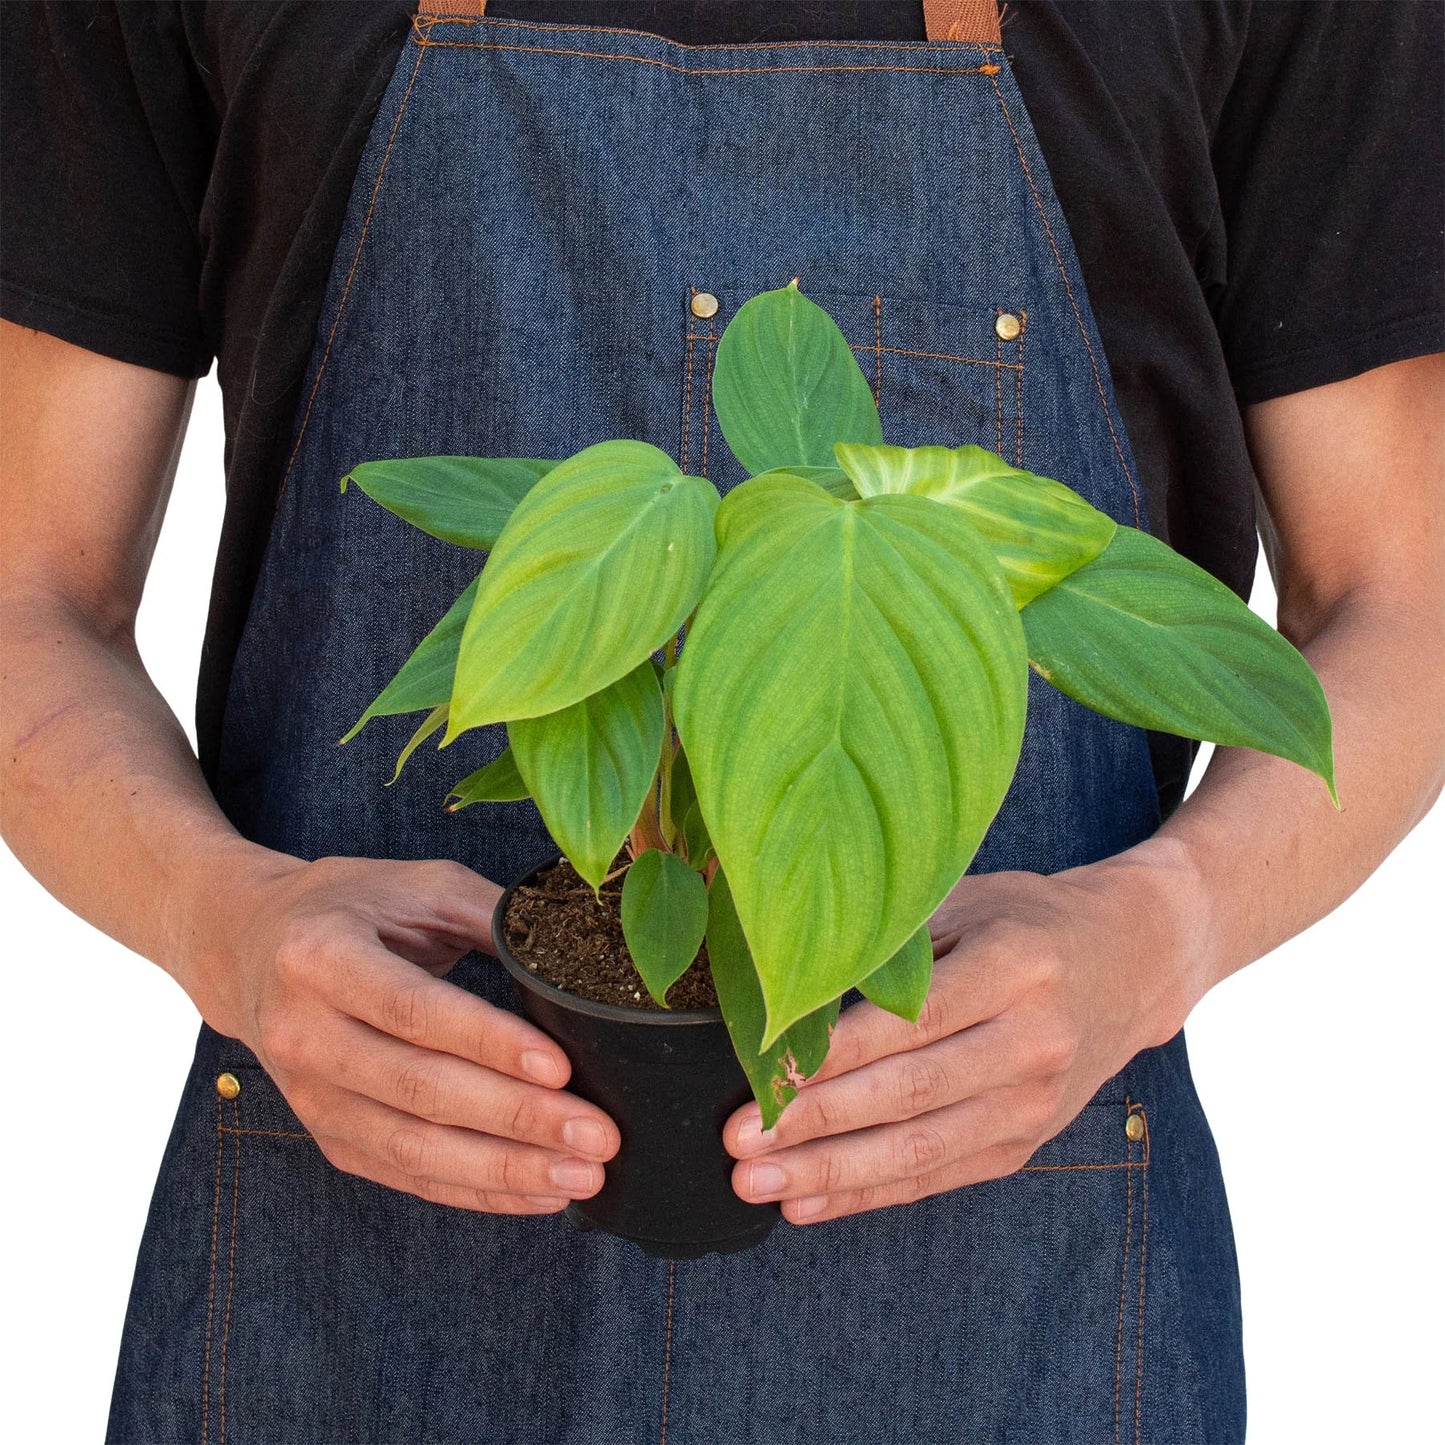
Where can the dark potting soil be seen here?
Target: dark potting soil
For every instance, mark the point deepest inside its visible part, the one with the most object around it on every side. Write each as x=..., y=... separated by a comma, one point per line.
x=556, y=927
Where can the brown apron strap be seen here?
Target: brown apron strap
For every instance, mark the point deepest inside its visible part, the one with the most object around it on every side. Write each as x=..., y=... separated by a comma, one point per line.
x=974, y=22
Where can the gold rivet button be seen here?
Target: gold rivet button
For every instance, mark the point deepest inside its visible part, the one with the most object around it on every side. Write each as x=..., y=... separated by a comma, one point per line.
x=1134, y=1127
x=1008, y=326
x=704, y=304
x=228, y=1086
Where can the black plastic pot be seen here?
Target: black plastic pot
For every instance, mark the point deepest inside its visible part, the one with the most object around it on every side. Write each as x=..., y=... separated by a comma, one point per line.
x=669, y=1080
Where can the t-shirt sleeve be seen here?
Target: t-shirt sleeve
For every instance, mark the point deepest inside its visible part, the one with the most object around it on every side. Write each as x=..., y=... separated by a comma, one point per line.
x=1328, y=154
x=108, y=134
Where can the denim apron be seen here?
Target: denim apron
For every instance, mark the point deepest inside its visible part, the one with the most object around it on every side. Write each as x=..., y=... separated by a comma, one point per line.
x=541, y=224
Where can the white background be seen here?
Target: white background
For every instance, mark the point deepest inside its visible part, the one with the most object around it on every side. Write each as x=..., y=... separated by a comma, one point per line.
x=1319, y=1067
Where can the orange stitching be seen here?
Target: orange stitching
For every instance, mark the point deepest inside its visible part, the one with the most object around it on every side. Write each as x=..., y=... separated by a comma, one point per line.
x=1069, y=291
x=425, y=44
x=211, y=1294
x=269, y=1133
x=878, y=352
x=231, y=1261
x=998, y=391
x=1123, y=1288
x=1143, y=1260
x=712, y=340
x=426, y=23
x=350, y=275
x=1062, y=1168
x=687, y=392
x=936, y=356
x=1019, y=393
x=667, y=1345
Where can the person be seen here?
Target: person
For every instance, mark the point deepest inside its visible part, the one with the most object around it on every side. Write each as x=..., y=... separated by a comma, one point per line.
x=1151, y=250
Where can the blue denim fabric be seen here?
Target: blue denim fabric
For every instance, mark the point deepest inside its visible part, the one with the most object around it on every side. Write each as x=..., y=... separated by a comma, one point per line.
x=535, y=209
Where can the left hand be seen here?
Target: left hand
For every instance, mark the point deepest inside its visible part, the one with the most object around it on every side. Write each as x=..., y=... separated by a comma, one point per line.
x=1044, y=987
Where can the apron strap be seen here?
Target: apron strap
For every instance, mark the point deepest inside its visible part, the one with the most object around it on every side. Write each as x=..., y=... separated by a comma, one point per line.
x=973, y=22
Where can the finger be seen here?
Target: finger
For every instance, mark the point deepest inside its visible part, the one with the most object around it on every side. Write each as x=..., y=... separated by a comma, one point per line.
x=996, y=1163
x=445, y=1154
x=445, y=1089
x=885, y=1154
x=353, y=1161
x=406, y=1002
x=901, y=1086
x=450, y=897
x=967, y=989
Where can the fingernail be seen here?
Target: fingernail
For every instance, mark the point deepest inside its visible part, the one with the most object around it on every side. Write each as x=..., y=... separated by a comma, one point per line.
x=807, y=1208
x=576, y=1176
x=586, y=1136
x=545, y=1201
x=750, y=1135
x=541, y=1067
x=765, y=1181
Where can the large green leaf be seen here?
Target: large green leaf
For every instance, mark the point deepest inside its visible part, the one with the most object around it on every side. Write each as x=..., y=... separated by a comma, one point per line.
x=465, y=500
x=851, y=698
x=600, y=564
x=1039, y=530
x=901, y=984
x=786, y=384
x=1143, y=635
x=795, y=1055
x=496, y=782
x=664, y=917
x=589, y=767
x=425, y=678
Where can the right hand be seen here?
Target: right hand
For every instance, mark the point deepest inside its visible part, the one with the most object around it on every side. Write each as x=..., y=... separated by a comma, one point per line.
x=331, y=973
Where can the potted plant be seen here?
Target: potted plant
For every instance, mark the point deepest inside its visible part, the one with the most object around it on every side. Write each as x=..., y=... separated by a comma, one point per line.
x=859, y=623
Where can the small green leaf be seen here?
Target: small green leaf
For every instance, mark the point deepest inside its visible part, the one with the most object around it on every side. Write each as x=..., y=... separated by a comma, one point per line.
x=435, y=721
x=1040, y=530
x=664, y=917
x=798, y=1053
x=695, y=838
x=497, y=782
x=425, y=678
x=901, y=984
x=589, y=767
x=1143, y=635
x=833, y=480
x=600, y=564
x=851, y=698
x=786, y=385
x=465, y=500
x=681, y=795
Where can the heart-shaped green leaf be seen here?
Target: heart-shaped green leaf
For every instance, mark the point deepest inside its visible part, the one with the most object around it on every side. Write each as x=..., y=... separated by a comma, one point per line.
x=794, y=1056
x=425, y=678
x=786, y=385
x=465, y=500
x=496, y=782
x=589, y=767
x=1143, y=635
x=851, y=698
x=1039, y=530
x=832, y=479
x=901, y=984
x=599, y=565
x=664, y=917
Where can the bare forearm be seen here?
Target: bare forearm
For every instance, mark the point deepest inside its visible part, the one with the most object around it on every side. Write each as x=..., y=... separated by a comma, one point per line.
x=1258, y=853
x=101, y=796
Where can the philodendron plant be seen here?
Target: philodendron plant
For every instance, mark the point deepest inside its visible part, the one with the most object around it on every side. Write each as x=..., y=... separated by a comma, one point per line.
x=808, y=775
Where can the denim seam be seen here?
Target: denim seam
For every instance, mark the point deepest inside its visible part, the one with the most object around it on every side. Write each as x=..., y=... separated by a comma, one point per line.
x=423, y=43
x=231, y=1260
x=998, y=391
x=941, y=356
x=667, y=1345
x=712, y=340
x=1143, y=1261
x=350, y=277
x=270, y=1133
x=878, y=353
x=1019, y=392
x=692, y=336
x=1123, y=1285
x=211, y=1292
x=1073, y=301
x=422, y=24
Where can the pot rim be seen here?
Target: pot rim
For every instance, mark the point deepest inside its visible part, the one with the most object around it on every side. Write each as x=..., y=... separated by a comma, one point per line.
x=651, y=1018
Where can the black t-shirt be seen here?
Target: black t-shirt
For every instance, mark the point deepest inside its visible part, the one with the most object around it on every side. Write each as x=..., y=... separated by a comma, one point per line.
x=1254, y=189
